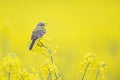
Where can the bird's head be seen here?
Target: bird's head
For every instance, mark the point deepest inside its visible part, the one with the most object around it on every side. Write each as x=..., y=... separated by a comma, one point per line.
x=41, y=24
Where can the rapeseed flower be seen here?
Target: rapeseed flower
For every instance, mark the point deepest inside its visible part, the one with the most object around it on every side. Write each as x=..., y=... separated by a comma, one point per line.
x=92, y=69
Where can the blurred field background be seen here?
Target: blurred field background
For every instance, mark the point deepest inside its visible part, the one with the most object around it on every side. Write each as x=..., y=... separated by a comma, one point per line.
x=78, y=27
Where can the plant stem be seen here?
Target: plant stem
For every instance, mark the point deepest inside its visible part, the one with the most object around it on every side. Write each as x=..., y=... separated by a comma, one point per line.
x=49, y=75
x=51, y=58
x=85, y=71
x=56, y=76
x=9, y=72
x=22, y=78
x=97, y=75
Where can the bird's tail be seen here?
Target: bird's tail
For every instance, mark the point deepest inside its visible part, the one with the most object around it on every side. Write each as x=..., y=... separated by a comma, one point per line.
x=32, y=44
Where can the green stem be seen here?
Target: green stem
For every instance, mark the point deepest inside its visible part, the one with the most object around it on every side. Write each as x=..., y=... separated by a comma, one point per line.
x=9, y=74
x=56, y=76
x=97, y=75
x=51, y=58
x=85, y=71
x=22, y=77
x=49, y=75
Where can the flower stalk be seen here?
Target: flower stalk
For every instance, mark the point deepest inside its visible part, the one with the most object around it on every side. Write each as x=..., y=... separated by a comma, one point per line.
x=97, y=75
x=9, y=73
x=85, y=70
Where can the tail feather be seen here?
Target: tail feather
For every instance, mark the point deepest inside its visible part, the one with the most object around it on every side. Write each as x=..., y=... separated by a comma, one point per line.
x=32, y=44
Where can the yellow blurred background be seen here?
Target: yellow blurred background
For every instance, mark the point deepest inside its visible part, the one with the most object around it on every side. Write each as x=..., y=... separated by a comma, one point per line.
x=78, y=27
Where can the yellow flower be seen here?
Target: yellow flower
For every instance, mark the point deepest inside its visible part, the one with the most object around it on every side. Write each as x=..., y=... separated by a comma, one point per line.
x=91, y=69
x=103, y=68
x=10, y=66
x=49, y=70
x=45, y=46
x=90, y=57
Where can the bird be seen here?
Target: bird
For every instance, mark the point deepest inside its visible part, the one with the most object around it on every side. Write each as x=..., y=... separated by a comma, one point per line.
x=37, y=33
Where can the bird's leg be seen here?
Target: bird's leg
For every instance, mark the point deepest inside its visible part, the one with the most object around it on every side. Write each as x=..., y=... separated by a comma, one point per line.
x=40, y=44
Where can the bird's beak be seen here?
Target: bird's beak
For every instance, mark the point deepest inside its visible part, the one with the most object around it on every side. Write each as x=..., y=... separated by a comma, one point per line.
x=45, y=24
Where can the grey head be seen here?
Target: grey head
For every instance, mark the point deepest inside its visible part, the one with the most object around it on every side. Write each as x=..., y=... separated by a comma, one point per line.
x=41, y=24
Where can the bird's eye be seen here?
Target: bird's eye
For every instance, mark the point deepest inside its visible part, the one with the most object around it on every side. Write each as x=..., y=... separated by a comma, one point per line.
x=41, y=24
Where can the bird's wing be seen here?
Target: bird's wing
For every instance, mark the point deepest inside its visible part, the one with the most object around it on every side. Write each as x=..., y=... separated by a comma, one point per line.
x=40, y=33
x=37, y=34
x=33, y=35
